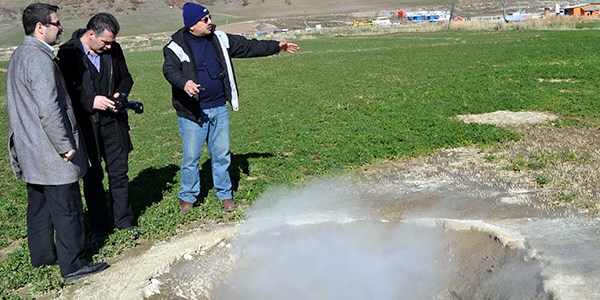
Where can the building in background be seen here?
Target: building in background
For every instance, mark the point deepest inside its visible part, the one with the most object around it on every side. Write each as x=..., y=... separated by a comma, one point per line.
x=427, y=16
x=591, y=9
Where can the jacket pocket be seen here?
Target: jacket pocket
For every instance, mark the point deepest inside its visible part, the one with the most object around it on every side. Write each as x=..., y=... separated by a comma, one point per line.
x=12, y=152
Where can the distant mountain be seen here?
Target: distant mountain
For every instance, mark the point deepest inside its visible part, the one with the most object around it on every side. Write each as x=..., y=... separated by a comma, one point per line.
x=11, y=9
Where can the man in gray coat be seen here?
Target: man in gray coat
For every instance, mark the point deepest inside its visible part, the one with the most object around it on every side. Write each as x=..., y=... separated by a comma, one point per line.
x=44, y=147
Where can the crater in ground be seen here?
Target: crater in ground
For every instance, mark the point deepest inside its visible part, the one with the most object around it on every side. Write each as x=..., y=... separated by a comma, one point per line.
x=492, y=227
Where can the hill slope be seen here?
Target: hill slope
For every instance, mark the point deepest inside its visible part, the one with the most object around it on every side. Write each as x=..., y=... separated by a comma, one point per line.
x=149, y=16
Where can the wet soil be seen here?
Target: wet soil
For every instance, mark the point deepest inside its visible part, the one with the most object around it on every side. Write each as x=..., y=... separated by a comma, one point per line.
x=440, y=264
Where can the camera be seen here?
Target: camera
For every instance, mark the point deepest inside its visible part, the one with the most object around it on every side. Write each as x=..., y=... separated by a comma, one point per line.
x=123, y=104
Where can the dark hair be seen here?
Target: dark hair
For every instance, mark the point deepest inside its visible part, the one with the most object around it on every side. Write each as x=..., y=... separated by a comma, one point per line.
x=102, y=21
x=37, y=12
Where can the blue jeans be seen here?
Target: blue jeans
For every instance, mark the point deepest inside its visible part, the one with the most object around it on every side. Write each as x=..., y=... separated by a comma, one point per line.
x=214, y=128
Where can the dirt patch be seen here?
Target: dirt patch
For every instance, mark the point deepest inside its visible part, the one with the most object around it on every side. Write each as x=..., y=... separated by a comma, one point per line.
x=483, y=268
x=509, y=118
x=556, y=80
x=240, y=28
x=558, y=167
x=250, y=28
x=5, y=252
x=129, y=274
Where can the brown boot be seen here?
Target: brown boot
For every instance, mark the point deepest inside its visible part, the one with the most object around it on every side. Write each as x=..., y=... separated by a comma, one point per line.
x=185, y=206
x=228, y=205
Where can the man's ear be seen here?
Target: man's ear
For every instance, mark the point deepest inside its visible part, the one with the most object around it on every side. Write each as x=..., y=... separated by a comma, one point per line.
x=39, y=29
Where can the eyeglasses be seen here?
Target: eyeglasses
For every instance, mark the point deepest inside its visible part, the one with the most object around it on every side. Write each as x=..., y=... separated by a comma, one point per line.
x=57, y=24
x=205, y=19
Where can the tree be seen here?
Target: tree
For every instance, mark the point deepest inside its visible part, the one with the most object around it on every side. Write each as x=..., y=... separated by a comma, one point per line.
x=504, y=4
x=451, y=15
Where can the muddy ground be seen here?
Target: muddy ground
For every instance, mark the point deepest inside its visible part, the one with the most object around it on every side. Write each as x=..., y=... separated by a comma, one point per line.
x=550, y=171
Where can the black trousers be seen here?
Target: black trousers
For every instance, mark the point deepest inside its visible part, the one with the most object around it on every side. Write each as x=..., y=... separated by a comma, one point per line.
x=55, y=210
x=115, y=159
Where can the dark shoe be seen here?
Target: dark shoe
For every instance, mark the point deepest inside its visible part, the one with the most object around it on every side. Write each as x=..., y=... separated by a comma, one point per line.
x=88, y=269
x=228, y=205
x=185, y=206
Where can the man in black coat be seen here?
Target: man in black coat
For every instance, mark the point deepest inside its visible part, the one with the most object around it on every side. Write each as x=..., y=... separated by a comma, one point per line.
x=96, y=73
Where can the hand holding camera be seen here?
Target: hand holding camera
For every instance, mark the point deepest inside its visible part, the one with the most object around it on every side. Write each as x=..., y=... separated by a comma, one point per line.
x=104, y=104
x=123, y=104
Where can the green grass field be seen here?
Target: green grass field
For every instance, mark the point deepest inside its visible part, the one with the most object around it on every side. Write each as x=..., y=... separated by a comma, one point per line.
x=338, y=104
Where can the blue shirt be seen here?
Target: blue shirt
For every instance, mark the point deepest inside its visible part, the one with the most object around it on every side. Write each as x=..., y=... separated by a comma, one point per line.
x=210, y=74
x=93, y=57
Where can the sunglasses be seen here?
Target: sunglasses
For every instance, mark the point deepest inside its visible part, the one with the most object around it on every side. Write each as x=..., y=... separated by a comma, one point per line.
x=205, y=19
x=57, y=23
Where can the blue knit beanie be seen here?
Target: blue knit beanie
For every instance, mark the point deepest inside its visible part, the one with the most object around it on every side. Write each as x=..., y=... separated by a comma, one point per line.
x=192, y=13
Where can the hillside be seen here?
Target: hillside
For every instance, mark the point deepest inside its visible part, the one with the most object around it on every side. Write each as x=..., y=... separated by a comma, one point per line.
x=150, y=16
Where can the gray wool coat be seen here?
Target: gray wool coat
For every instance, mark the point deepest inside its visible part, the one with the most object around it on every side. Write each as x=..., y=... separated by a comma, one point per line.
x=41, y=120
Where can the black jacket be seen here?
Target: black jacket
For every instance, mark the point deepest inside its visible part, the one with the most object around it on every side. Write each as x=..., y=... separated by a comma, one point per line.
x=76, y=71
x=178, y=68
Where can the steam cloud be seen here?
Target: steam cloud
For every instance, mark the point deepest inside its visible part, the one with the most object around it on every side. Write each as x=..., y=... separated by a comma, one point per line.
x=316, y=243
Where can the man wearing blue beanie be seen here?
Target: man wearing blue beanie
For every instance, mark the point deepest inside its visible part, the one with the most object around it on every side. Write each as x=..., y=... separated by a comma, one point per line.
x=198, y=66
